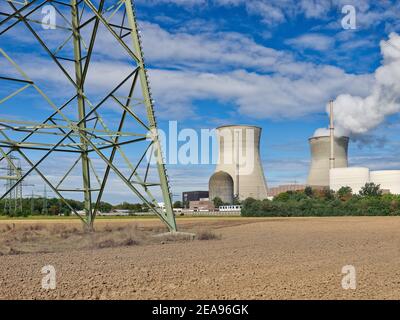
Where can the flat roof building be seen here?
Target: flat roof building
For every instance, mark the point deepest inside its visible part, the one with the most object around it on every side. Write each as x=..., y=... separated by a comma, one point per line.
x=188, y=196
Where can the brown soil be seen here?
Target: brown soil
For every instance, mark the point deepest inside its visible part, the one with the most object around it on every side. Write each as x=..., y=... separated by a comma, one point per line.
x=280, y=258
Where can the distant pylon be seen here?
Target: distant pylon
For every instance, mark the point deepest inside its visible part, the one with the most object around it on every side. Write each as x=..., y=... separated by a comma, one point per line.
x=13, y=201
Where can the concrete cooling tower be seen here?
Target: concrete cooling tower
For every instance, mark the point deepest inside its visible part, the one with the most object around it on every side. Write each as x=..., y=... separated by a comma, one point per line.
x=239, y=157
x=320, y=158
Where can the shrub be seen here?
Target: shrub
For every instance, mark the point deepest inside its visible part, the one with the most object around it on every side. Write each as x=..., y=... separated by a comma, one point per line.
x=371, y=190
x=207, y=235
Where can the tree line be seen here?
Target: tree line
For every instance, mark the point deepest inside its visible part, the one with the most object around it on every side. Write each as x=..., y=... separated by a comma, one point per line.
x=54, y=206
x=370, y=201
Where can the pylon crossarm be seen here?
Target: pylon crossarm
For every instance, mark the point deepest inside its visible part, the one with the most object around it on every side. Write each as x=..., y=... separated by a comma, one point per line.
x=30, y=146
x=35, y=126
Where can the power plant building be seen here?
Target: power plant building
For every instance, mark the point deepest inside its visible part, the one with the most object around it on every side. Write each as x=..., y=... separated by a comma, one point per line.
x=387, y=179
x=239, y=158
x=221, y=186
x=357, y=177
x=193, y=196
x=321, y=157
x=353, y=177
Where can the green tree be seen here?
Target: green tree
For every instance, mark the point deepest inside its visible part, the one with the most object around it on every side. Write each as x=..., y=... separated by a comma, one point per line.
x=345, y=193
x=371, y=190
x=177, y=204
x=218, y=202
x=328, y=194
x=236, y=201
x=308, y=191
x=282, y=197
x=105, y=207
x=54, y=210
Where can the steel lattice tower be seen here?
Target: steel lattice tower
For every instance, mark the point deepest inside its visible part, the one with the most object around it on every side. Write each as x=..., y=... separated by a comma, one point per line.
x=13, y=201
x=116, y=135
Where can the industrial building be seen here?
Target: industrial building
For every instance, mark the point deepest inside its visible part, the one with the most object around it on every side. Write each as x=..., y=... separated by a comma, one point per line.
x=239, y=172
x=353, y=177
x=193, y=196
x=201, y=205
x=357, y=177
x=387, y=179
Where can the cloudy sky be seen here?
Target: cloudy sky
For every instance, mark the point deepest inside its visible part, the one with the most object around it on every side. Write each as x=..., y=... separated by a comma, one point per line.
x=274, y=64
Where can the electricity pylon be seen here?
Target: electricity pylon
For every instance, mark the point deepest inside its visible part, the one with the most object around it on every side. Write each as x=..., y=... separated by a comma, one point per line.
x=13, y=172
x=84, y=42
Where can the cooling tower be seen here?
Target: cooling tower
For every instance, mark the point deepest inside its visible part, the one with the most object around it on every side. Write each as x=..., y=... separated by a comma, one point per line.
x=353, y=177
x=320, y=157
x=221, y=185
x=388, y=179
x=239, y=156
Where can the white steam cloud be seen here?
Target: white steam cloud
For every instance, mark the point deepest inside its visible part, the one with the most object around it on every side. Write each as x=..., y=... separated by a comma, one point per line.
x=358, y=115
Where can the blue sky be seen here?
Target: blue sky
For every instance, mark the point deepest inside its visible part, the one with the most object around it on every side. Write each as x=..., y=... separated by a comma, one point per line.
x=256, y=40
x=274, y=64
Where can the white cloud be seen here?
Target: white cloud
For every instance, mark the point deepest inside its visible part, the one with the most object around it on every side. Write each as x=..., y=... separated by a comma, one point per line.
x=259, y=82
x=358, y=114
x=208, y=50
x=314, y=41
x=258, y=96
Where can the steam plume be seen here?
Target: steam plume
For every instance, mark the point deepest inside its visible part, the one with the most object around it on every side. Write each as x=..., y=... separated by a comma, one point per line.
x=356, y=115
